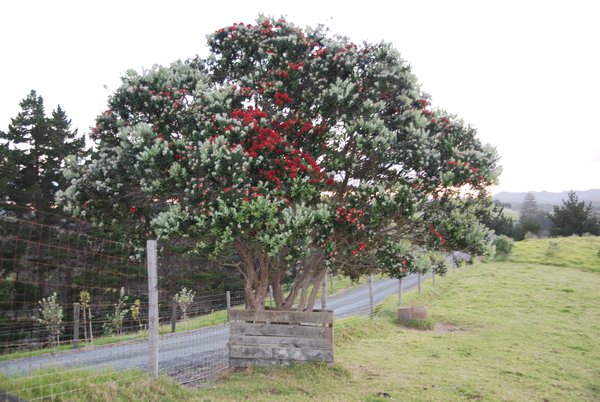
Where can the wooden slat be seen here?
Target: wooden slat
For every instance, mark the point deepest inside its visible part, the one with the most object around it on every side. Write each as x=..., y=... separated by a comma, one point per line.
x=247, y=328
x=280, y=341
x=292, y=317
x=236, y=362
x=239, y=362
x=292, y=354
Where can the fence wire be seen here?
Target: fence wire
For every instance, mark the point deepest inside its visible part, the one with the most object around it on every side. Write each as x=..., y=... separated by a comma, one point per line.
x=51, y=268
x=74, y=306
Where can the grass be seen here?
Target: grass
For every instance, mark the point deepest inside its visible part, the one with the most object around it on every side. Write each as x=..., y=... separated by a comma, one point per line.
x=575, y=252
x=82, y=385
x=511, y=331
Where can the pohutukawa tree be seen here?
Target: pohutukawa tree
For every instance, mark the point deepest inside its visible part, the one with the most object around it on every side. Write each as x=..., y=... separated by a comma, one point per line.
x=286, y=153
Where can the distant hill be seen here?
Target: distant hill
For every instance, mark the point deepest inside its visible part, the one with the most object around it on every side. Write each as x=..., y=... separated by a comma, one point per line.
x=546, y=199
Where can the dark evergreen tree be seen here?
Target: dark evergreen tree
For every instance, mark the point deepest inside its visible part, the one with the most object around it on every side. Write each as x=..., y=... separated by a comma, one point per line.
x=574, y=217
x=33, y=154
x=498, y=221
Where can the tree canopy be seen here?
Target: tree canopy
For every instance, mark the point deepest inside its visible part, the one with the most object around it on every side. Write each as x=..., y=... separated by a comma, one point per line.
x=574, y=217
x=33, y=153
x=287, y=152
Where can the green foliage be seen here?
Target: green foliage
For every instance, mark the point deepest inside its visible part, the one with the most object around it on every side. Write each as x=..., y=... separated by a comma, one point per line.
x=185, y=297
x=51, y=317
x=439, y=263
x=574, y=217
x=114, y=321
x=34, y=153
x=504, y=246
x=286, y=153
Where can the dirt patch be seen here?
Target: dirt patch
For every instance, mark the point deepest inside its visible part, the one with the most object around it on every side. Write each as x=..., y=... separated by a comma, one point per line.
x=442, y=328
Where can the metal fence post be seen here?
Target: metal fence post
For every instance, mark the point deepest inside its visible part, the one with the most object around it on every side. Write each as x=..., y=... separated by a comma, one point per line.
x=371, y=301
x=228, y=302
x=152, y=308
x=76, y=325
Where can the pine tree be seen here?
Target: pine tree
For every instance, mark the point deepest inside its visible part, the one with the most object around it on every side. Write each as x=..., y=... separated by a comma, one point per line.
x=33, y=154
x=529, y=209
x=574, y=217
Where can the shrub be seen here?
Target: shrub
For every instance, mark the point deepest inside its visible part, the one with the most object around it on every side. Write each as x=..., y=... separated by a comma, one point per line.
x=114, y=322
x=185, y=297
x=51, y=316
x=504, y=247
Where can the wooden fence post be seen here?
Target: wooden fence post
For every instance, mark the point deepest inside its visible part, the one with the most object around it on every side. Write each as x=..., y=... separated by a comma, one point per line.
x=419, y=275
x=173, y=314
x=76, y=325
x=371, y=301
x=331, y=283
x=152, y=308
x=400, y=290
x=228, y=302
x=324, y=292
x=90, y=324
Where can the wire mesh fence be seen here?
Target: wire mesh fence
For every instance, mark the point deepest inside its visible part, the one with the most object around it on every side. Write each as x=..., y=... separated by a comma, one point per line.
x=74, y=305
x=75, y=309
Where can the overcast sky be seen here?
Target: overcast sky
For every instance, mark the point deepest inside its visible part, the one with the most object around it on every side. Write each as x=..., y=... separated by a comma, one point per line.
x=526, y=74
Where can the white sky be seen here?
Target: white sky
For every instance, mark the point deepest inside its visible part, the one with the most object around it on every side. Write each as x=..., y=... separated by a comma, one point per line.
x=525, y=73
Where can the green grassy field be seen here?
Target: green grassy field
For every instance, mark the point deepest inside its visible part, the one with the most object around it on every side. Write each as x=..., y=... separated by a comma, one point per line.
x=575, y=252
x=519, y=330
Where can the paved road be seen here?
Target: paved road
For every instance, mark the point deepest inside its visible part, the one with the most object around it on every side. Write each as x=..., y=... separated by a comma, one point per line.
x=186, y=353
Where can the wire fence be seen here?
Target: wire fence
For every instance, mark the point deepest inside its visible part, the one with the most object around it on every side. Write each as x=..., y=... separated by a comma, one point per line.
x=76, y=303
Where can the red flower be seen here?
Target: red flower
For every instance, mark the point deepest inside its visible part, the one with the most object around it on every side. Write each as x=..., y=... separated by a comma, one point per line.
x=362, y=246
x=177, y=156
x=226, y=189
x=354, y=252
x=329, y=182
x=132, y=210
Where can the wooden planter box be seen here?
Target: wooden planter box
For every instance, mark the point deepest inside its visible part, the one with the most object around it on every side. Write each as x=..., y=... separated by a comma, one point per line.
x=260, y=338
x=412, y=313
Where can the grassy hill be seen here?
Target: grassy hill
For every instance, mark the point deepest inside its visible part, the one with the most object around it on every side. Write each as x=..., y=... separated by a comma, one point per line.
x=520, y=330
x=574, y=252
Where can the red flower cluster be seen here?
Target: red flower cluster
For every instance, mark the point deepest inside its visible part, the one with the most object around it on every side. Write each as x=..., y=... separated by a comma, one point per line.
x=266, y=139
x=319, y=52
x=437, y=234
x=466, y=165
x=282, y=97
x=250, y=115
x=351, y=216
x=295, y=66
x=267, y=29
x=361, y=247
